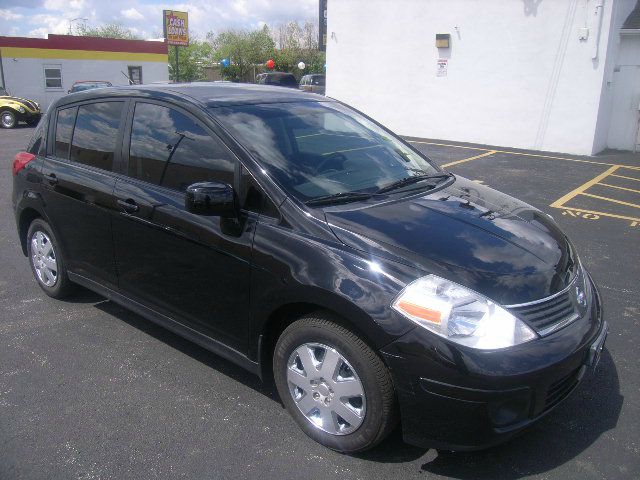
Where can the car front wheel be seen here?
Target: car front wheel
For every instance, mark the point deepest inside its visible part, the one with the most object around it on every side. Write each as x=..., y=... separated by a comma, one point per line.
x=334, y=385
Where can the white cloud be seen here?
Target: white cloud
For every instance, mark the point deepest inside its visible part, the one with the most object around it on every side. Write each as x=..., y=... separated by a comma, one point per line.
x=132, y=14
x=9, y=15
x=145, y=16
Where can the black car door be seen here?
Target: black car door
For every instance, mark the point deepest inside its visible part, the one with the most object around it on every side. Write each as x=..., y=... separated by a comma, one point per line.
x=78, y=185
x=193, y=268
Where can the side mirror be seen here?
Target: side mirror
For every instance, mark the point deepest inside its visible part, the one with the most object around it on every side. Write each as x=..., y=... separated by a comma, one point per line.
x=212, y=199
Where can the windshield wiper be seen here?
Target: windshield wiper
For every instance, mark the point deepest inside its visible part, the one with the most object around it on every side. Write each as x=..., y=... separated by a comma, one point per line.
x=338, y=198
x=403, y=182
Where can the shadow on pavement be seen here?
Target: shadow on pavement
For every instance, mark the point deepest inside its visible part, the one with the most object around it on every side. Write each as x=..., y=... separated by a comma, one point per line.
x=567, y=431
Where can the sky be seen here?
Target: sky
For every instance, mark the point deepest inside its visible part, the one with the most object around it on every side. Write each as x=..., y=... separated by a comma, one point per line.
x=37, y=18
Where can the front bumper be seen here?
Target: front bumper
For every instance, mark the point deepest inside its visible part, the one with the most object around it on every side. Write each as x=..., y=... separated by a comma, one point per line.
x=457, y=398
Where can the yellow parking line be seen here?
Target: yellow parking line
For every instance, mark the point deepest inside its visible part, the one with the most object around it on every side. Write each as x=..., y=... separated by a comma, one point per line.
x=621, y=188
x=561, y=201
x=604, y=214
x=611, y=200
x=538, y=155
x=628, y=178
x=486, y=154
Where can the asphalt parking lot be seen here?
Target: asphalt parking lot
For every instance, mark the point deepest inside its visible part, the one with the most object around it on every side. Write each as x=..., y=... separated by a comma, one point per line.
x=90, y=390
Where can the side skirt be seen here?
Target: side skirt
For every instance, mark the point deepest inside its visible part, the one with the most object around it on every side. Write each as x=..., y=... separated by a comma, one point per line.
x=178, y=328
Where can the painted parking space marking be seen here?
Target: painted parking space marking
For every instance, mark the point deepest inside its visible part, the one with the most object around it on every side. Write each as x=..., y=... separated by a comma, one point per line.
x=606, y=204
x=464, y=160
x=536, y=155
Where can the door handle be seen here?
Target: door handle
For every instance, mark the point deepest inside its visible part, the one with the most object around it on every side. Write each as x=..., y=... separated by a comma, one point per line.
x=51, y=178
x=129, y=205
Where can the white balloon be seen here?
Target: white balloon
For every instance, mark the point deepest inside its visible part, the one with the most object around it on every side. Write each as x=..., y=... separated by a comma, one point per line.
x=301, y=65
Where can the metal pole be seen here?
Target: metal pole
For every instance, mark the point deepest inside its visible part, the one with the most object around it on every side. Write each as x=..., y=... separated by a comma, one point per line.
x=177, y=65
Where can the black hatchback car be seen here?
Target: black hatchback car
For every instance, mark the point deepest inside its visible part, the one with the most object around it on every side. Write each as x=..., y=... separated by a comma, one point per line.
x=298, y=238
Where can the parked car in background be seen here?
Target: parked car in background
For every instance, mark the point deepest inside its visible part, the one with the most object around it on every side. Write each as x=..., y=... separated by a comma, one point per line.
x=16, y=109
x=302, y=240
x=278, y=79
x=88, y=85
x=313, y=83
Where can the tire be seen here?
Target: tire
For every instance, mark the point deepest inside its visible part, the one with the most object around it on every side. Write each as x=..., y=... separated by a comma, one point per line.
x=8, y=119
x=369, y=417
x=46, y=260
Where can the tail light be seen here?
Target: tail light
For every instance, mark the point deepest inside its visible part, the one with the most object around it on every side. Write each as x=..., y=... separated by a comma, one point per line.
x=20, y=161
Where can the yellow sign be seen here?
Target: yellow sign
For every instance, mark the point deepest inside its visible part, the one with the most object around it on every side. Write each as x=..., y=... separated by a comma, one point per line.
x=176, y=27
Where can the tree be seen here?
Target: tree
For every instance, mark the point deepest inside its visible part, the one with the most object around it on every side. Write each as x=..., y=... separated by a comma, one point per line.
x=110, y=30
x=191, y=60
x=243, y=48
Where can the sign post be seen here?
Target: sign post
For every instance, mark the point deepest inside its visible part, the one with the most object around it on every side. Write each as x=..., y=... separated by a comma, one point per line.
x=176, y=32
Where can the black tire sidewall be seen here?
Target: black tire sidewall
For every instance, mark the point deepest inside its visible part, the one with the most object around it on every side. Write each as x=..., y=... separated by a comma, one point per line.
x=369, y=430
x=61, y=286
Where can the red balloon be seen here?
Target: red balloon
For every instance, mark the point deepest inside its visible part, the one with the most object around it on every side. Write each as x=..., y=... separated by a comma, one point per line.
x=270, y=64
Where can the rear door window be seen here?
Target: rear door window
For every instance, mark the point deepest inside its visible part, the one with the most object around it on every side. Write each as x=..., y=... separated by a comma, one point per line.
x=170, y=149
x=96, y=133
x=64, y=128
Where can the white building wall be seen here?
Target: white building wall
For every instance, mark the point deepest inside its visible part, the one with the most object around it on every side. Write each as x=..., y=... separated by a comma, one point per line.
x=24, y=77
x=518, y=75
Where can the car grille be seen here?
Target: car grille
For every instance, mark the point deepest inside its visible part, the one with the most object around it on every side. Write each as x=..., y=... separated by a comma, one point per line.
x=560, y=389
x=552, y=313
x=547, y=314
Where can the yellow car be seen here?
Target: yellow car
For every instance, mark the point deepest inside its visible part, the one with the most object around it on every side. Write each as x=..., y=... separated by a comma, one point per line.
x=15, y=109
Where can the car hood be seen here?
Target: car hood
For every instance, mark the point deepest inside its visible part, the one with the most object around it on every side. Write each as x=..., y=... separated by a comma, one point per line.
x=468, y=233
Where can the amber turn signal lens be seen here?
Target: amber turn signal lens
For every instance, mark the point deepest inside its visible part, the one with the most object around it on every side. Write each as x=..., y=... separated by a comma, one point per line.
x=426, y=314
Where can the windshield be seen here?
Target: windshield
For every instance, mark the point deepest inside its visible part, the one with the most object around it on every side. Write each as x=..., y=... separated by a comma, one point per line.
x=315, y=149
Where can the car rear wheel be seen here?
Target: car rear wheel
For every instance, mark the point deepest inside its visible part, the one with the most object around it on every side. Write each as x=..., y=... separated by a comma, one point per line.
x=8, y=119
x=334, y=385
x=46, y=261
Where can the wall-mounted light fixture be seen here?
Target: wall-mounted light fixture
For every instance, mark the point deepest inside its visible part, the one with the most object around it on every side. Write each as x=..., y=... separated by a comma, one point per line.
x=442, y=40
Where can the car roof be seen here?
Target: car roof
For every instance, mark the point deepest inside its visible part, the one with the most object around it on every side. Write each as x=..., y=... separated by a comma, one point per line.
x=207, y=94
x=91, y=81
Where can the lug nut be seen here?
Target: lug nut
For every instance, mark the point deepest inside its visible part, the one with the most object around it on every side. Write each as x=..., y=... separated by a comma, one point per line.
x=316, y=395
x=327, y=401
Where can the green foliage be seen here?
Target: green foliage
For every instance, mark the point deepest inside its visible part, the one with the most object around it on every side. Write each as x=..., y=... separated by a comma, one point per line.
x=110, y=30
x=192, y=60
x=244, y=49
x=248, y=51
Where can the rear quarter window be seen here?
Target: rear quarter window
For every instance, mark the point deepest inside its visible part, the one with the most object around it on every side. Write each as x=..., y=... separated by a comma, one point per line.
x=37, y=143
x=64, y=128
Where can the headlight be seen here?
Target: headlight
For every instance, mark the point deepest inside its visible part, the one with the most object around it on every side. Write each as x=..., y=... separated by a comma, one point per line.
x=21, y=109
x=460, y=315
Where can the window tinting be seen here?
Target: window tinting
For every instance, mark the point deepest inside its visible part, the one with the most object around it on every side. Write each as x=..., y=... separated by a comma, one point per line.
x=169, y=149
x=96, y=133
x=64, y=127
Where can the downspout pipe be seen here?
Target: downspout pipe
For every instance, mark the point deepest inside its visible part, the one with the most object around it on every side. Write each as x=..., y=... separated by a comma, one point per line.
x=599, y=12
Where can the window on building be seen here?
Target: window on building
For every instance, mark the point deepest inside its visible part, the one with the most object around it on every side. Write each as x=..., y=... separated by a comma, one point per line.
x=64, y=128
x=170, y=149
x=135, y=74
x=53, y=76
x=96, y=133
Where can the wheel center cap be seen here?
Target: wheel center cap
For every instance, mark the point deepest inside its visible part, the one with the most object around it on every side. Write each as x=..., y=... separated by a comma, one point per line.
x=323, y=390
